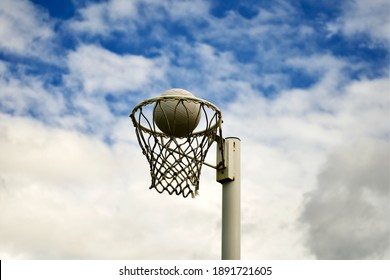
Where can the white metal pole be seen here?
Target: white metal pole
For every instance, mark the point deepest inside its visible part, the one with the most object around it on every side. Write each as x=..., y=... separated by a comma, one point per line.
x=230, y=177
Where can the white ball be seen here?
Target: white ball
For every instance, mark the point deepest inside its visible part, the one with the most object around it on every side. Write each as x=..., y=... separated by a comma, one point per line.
x=177, y=118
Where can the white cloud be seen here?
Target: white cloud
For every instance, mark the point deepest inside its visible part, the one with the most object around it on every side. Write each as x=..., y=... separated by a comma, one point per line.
x=360, y=16
x=43, y=153
x=23, y=94
x=187, y=10
x=319, y=65
x=27, y=95
x=92, y=19
x=125, y=16
x=326, y=114
x=285, y=143
x=98, y=70
x=101, y=18
x=23, y=28
x=59, y=184
x=64, y=195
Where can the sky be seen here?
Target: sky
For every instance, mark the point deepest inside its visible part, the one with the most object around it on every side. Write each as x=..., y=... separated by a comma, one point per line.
x=304, y=85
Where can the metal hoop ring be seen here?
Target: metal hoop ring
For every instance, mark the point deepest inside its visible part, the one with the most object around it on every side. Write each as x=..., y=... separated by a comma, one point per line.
x=176, y=97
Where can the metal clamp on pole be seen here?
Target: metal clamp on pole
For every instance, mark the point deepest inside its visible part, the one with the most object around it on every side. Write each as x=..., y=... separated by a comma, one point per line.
x=229, y=177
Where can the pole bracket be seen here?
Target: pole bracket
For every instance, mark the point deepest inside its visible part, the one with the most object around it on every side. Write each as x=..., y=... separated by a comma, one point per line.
x=226, y=155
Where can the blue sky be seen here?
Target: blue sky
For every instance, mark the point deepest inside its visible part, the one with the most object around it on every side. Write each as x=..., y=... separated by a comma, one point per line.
x=304, y=84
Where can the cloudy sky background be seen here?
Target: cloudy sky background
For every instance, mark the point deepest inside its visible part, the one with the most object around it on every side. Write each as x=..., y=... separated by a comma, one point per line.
x=304, y=84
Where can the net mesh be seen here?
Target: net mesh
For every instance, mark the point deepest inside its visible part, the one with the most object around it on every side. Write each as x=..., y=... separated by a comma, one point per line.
x=176, y=162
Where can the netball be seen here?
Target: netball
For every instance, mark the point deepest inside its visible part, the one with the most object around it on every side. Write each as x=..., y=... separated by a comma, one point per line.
x=177, y=117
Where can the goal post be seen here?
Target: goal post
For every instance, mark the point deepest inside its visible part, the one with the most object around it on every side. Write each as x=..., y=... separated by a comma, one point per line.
x=230, y=178
x=175, y=131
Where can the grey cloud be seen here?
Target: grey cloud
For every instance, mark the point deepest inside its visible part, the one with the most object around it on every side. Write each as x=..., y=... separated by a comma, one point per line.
x=347, y=213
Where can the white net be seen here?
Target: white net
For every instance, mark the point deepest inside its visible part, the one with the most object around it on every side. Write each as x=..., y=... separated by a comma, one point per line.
x=175, y=134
